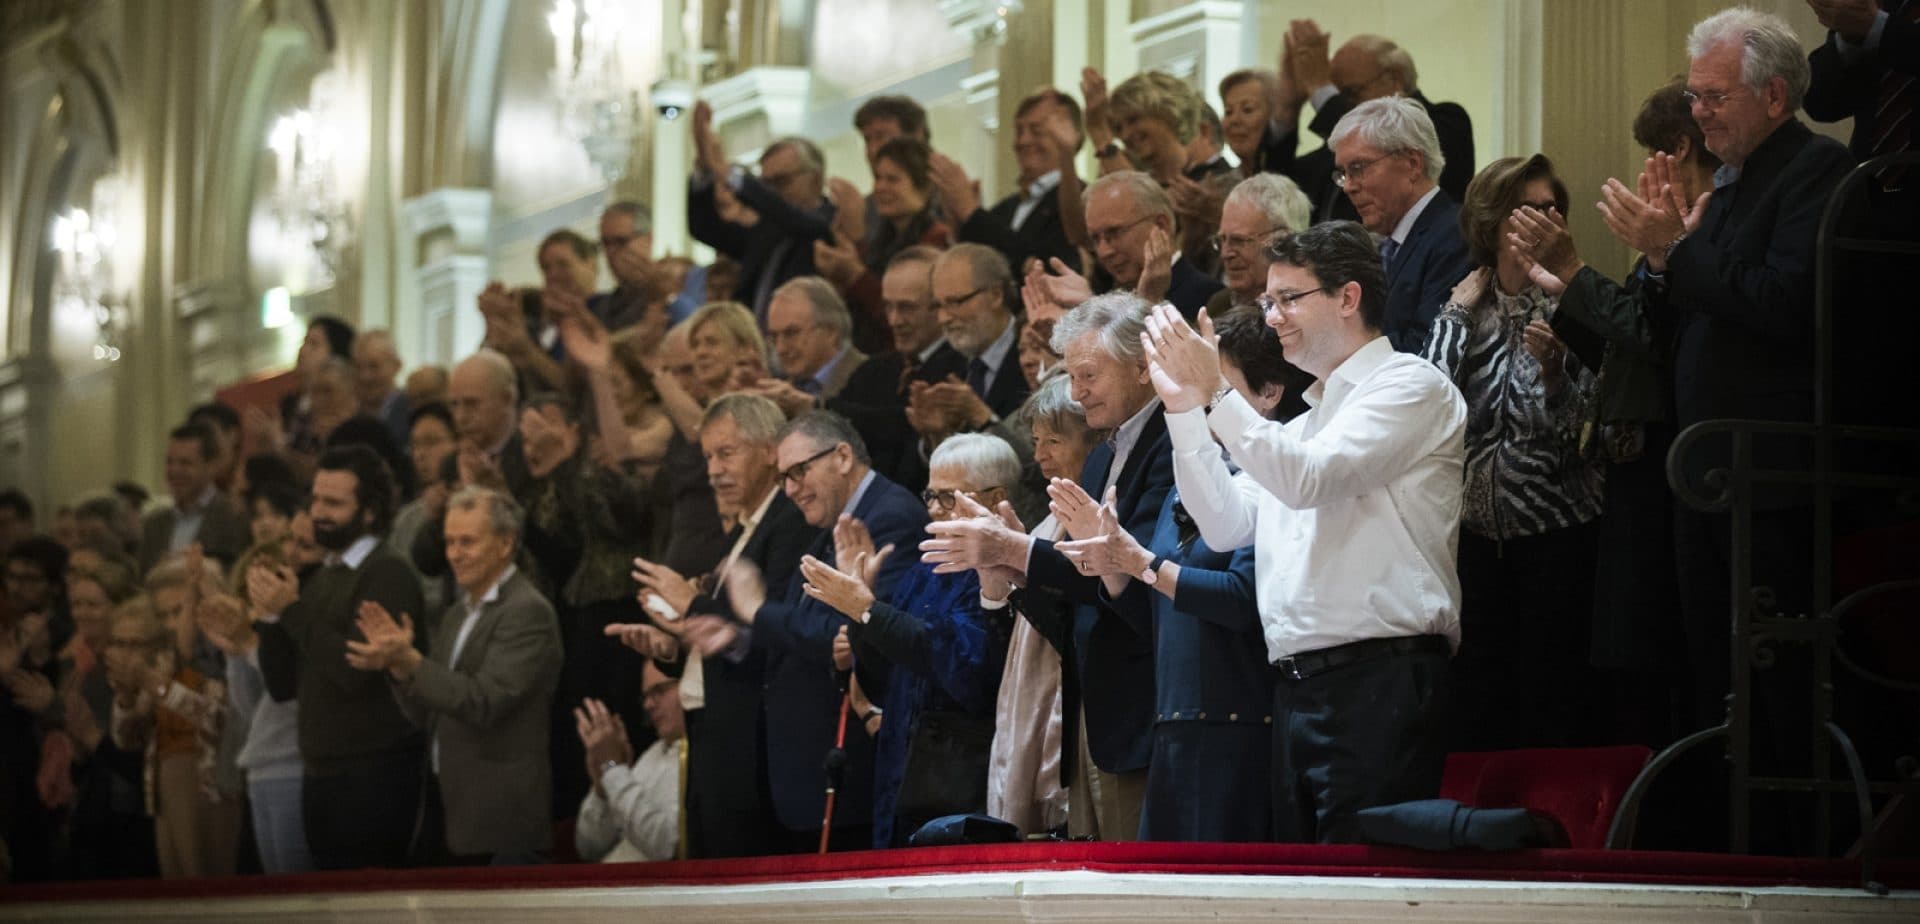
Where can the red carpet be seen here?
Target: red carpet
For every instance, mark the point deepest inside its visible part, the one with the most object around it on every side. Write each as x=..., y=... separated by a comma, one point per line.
x=1588, y=866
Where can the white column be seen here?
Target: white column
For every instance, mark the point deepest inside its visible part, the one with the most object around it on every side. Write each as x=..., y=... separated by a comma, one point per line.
x=447, y=229
x=1199, y=43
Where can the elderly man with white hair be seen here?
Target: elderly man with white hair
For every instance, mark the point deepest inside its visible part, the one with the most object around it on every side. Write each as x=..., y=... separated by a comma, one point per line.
x=1262, y=207
x=1734, y=275
x=1387, y=158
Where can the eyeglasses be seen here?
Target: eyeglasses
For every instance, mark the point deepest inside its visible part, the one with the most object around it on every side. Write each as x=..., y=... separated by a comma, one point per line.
x=1267, y=303
x=798, y=472
x=662, y=688
x=1710, y=100
x=789, y=333
x=958, y=300
x=905, y=307
x=1112, y=235
x=1352, y=172
x=614, y=242
x=1226, y=242
x=944, y=500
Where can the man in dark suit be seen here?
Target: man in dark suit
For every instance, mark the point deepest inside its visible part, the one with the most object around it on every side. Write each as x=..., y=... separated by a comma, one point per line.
x=484, y=395
x=1110, y=660
x=728, y=812
x=811, y=333
x=374, y=366
x=788, y=196
x=875, y=396
x=973, y=298
x=483, y=694
x=1124, y=210
x=1368, y=67
x=826, y=473
x=1026, y=225
x=1868, y=70
x=199, y=512
x=1388, y=160
x=1730, y=289
x=364, y=760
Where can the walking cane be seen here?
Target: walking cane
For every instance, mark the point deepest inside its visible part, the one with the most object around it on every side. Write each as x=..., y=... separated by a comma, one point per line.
x=836, y=765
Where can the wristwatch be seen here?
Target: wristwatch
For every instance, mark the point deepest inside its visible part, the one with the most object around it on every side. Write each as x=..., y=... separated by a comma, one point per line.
x=609, y=765
x=1666, y=253
x=1218, y=396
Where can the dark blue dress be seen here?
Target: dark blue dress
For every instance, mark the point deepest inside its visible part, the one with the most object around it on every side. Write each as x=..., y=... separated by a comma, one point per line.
x=1210, y=775
x=946, y=658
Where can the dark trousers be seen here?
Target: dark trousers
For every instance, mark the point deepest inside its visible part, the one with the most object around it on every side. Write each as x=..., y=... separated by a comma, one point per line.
x=599, y=667
x=1521, y=678
x=1362, y=734
x=366, y=814
x=728, y=807
x=1209, y=781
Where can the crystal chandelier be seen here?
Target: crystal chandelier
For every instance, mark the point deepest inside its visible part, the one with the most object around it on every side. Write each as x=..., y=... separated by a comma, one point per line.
x=597, y=104
x=83, y=290
x=313, y=217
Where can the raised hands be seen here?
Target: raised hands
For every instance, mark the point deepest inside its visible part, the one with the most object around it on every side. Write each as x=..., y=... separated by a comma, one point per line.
x=1075, y=509
x=959, y=193
x=1111, y=551
x=272, y=587
x=849, y=210
x=585, y=338
x=650, y=641
x=706, y=144
x=1093, y=91
x=1539, y=341
x=223, y=620
x=388, y=645
x=1062, y=287
x=1184, y=364
x=603, y=736
x=976, y=539
x=1469, y=291
x=673, y=589
x=1542, y=239
x=846, y=593
x=853, y=550
x=838, y=260
x=1312, y=57
x=746, y=590
x=1156, y=267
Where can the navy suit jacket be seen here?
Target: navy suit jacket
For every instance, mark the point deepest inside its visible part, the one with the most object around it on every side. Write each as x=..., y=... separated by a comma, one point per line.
x=1209, y=649
x=761, y=245
x=1042, y=236
x=1840, y=90
x=1423, y=273
x=725, y=756
x=1189, y=288
x=802, y=699
x=1110, y=651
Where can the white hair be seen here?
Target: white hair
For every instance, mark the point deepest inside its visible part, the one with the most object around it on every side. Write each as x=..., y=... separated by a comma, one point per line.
x=1140, y=188
x=1278, y=198
x=1118, y=318
x=1394, y=124
x=1769, y=49
x=499, y=368
x=988, y=461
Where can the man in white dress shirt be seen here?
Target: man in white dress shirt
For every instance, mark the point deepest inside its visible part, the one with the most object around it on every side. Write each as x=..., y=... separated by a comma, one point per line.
x=1354, y=510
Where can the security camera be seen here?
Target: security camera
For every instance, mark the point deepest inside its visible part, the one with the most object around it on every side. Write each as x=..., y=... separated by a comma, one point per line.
x=671, y=97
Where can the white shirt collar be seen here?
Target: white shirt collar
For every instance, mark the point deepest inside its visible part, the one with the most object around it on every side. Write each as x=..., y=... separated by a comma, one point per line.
x=866, y=481
x=826, y=371
x=493, y=592
x=926, y=352
x=1129, y=432
x=996, y=352
x=1405, y=227
x=356, y=554
x=1041, y=186
x=1353, y=370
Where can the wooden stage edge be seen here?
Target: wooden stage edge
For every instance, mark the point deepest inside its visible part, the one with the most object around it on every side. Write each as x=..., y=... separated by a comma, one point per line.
x=1064, y=895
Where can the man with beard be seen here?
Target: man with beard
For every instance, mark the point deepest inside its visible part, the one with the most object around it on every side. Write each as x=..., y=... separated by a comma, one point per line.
x=363, y=758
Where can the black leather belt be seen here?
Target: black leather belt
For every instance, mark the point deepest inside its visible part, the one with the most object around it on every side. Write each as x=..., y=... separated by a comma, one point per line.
x=1309, y=663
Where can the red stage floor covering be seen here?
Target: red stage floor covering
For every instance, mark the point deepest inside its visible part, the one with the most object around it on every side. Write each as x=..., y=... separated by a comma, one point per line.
x=1038, y=882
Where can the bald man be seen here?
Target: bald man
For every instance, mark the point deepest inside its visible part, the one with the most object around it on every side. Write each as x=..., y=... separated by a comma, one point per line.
x=375, y=365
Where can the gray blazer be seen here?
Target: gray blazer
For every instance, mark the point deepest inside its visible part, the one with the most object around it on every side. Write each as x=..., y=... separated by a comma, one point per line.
x=489, y=712
x=224, y=532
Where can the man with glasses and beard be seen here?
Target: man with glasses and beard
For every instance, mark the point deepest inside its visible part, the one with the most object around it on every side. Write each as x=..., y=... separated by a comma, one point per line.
x=363, y=758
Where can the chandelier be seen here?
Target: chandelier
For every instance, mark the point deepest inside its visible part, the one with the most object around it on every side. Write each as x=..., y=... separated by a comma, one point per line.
x=598, y=106
x=313, y=217
x=83, y=290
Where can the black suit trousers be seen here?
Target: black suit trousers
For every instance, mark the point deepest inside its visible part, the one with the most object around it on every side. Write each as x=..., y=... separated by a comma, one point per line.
x=1359, y=735
x=366, y=815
